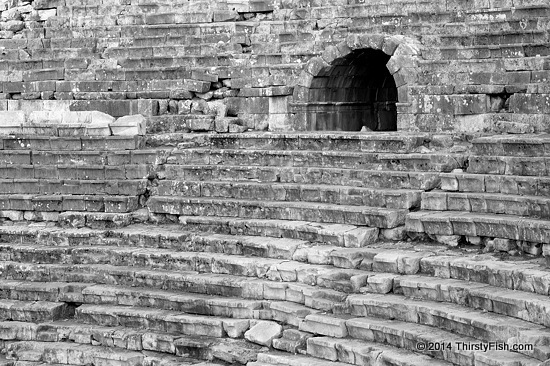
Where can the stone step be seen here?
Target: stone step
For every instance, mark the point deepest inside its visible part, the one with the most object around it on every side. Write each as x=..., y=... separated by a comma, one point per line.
x=71, y=354
x=305, y=175
x=491, y=203
x=283, y=311
x=47, y=185
x=490, y=183
x=488, y=298
x=301, y=211
x=339, y=141
x=450, y=347
x=340, y=195
x=41, y=291
x=283, y=358
x=72, y=172
x=340, y=235
x=34, y=311
x=479, y=224
x=530, y=145
x=155, y=346
x=509, y=165
x=529, y=277
x=73, y=143
x=162, y=320
x=486, y=327
x=226, y=285
x=379, y=258
x=429, y=162
x=358, y=352
x=53, y=159
x=62, y=203
x=172, y=237
x=323, y=275
x=98, y=220
x=115, y=157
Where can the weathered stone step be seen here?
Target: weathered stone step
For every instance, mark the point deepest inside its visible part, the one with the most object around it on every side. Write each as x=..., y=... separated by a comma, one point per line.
x=42, y=291
x=305, y=175
x=172, y=237
x=451, y=347
x=491, y=203
x=479, y=224
x=429, y=162
x=225, y=285
x=284, y=358
x=98, y=220
x=339, y=141
x=34, y=311
x=531, y=145
x=52, y=159
x=340, y=235
x=356, y=352
x=71, y=354
x=45, y=184
x=509, y=165
x=61, y=203
x=115, y=157
x=499, y=300
x=490, y=183
x=76, y=143
x=302, y=211
x=486, y=327
x=340, y=195
x=170, y=349
x=528, y=277
x=73, y=173
x=162, y=320
x=323, y=275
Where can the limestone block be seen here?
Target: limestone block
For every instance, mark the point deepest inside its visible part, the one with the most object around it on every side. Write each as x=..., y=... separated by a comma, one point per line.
x=98, y=130
x=129, y=126
x=325, y=324
x=46, y=14
x=12, y=118
x=263, y=333
x=322, y=347
x=380, y=283
x=237, y=351
x=360, y=237
x=235, y=327
x=504, y=245
x=197, y=86
x=397, y=233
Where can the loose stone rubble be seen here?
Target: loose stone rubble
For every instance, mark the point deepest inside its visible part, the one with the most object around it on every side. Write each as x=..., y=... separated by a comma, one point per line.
x=297, y=183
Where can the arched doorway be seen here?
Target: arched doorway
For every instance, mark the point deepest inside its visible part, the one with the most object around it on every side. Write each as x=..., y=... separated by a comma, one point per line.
x=365, y=80
x=354, y=91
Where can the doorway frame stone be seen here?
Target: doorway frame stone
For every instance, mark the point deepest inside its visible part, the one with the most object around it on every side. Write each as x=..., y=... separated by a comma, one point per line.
x=404, y=52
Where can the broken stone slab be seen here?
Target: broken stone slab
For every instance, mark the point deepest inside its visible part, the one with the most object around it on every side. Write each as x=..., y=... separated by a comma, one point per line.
x=329, y=325
x=129, y=126
x=263, y=333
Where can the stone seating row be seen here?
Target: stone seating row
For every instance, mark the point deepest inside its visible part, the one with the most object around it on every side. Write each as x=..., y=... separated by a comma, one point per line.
x=69, y=124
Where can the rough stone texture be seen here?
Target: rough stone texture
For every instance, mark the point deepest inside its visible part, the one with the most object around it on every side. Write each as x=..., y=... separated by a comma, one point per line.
x=263, y=333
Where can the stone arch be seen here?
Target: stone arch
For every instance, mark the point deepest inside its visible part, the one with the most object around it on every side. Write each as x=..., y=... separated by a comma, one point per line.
x=401, y=53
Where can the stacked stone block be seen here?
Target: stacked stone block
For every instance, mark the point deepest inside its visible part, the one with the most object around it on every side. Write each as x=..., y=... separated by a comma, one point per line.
x=481, y=68
x=499, y=201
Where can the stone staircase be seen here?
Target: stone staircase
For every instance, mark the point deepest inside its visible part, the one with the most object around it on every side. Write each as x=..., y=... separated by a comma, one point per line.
x=499, y=200
x=268, y=249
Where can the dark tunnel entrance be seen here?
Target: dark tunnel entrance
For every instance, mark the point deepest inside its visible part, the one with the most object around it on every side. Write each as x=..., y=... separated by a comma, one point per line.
x=354, y=91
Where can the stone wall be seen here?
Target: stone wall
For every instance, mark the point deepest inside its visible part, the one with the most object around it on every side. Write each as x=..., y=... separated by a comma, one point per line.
x=233, y=65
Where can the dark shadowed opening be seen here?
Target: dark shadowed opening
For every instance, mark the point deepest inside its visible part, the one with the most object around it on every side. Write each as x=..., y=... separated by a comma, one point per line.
x=354, y=91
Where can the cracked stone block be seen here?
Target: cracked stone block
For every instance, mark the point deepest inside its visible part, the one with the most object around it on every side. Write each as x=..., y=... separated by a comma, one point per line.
x=263, y=333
